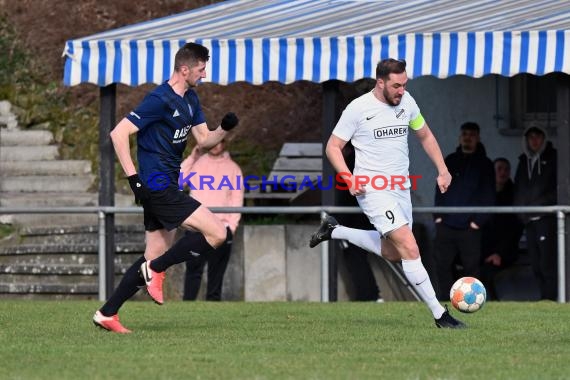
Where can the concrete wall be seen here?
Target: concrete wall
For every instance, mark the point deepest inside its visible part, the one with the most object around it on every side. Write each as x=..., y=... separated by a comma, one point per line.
x=275, y=263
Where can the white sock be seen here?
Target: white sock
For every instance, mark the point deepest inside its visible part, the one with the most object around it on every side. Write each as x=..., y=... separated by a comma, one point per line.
x=367, y=240
x=419, y=278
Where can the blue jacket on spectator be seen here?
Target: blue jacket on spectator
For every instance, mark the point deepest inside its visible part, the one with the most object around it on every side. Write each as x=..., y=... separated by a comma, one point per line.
x=472, y=184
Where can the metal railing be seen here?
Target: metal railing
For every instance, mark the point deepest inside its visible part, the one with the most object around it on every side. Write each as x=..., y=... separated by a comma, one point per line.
x=102, y=211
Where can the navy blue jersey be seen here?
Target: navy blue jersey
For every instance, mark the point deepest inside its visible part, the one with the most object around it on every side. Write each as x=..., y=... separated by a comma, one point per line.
x=164, y=120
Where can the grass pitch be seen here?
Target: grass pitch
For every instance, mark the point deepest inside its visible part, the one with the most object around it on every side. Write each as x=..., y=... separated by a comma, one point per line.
x=182, y=340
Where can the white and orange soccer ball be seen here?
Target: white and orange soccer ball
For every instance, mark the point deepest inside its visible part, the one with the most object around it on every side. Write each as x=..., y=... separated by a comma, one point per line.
x=468, y=295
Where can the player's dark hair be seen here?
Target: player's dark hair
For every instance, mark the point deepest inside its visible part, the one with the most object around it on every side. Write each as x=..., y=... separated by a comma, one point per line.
x=470, y=126
x=390, y=66
x=502, y=159
x=536, y=130
x=190, y=54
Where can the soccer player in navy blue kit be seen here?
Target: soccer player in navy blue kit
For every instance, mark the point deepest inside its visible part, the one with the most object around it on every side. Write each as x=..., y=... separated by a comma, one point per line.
x=163, y=122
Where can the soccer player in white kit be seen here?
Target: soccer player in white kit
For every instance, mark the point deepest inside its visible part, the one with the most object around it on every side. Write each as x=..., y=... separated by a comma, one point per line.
x=377, y=124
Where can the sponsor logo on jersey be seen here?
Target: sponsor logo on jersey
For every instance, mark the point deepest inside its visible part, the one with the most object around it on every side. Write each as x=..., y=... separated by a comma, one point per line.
x=391, y=132
x=400, y=114
x=176, y=113
x=182, y=132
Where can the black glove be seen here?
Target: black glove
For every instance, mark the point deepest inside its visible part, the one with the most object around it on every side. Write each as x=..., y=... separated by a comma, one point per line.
x=229, y=121
x=142, y=193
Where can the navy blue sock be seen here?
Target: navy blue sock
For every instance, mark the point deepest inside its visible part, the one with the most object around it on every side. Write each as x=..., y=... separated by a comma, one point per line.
x=191, y=245
x=127, y=288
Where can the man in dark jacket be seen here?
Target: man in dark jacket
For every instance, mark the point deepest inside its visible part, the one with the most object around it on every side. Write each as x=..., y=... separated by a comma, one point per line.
x=535, y=185
x=502, y=232
x=458, y=236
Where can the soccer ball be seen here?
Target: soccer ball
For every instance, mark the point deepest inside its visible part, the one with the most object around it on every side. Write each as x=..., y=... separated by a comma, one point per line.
x=468, y=295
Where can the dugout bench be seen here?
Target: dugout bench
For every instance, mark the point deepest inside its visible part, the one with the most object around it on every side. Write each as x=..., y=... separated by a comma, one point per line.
x=296, y=164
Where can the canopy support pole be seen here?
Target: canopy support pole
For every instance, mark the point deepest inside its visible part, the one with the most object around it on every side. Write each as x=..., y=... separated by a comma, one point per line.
x=107, y=122
x=330, y=105
x=563, y=161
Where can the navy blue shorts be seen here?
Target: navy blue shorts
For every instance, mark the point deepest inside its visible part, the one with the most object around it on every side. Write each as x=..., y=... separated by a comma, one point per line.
x=167, y=209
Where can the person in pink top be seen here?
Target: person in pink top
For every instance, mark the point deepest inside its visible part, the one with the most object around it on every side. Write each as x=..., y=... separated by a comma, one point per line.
x=215, y=181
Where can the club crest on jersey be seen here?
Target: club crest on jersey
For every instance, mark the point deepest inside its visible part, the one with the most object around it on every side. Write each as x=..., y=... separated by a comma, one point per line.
x=391, y=131
x=400, y=114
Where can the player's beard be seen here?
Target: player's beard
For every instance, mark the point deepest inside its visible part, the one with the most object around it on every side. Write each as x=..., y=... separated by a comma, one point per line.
x=391, y=100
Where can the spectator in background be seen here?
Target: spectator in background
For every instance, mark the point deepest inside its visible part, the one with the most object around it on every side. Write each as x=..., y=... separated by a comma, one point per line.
x=225, y=175
x=502, y=232
x=535, y=185
x=458, y=236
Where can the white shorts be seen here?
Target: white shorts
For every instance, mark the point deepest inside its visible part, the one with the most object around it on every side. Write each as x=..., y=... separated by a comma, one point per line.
x=387, y=210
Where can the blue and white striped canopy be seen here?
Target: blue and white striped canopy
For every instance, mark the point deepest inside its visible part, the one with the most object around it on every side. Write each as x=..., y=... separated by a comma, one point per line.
x=257, y=41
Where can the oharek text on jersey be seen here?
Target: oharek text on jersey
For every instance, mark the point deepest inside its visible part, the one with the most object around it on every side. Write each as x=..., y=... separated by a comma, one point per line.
x=391, y=131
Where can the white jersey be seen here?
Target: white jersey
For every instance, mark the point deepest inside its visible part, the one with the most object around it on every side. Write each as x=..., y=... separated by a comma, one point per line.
x=379, y=133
